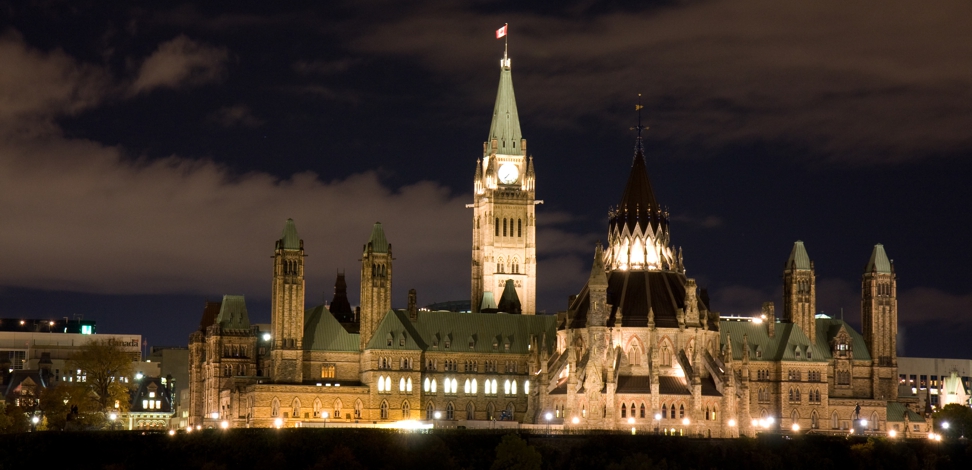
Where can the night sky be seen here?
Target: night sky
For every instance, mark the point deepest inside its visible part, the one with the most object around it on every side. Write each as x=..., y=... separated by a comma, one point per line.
x=150, y=152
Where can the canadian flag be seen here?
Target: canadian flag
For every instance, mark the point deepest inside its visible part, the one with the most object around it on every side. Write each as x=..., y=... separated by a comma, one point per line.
x=502, y=31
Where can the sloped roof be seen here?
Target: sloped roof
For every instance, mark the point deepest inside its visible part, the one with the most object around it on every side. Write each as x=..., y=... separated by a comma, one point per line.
x=513, y=329
x=897, y=411
x=799, y=258
x=633, y=293
x=509, y=302
x=289, y=240
x=505, y=125
x=781, y=347
x=162, y=394
x=232, y=313
x=634, y=384
x=638, y=206
x=394, y=325
x=879, y=261
x=210, y=311
x=673, y=386
x=322, y=332
x=827, y=328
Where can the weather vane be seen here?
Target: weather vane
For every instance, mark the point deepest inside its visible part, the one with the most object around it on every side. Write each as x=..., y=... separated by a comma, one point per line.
x=639, y=148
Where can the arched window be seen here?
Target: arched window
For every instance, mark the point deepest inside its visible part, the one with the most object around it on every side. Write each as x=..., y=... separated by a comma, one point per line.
x=510, y=409
x=384, y=409
x=337, y=409
x=430, y=411
x=450, y=411
x=664, y=412
x=357, y=408
x=317, y=407
x=794, y=417
x=426, y=385
x=813, y=420
x=875, y=426
x=406, y=410
x=673, y=411
x=408, y=385
x=381, y=383
x=466, y=386
x=513, y=387
x=275, y=408
x=433, y=386
x=401, y=384
x=681, y=411
x=490, y=411
x=388, y=384
x=834, y=422
x=624, y=410
x=496, y=227
x=519, y=227
x=707, y=413
x=666, y=355
x=470, y=411
x=642, y=410
x=474, y=386
x=296, y=408
x=504, y=227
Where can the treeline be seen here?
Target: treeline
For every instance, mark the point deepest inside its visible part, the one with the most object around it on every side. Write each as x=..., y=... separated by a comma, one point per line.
x=293, y=449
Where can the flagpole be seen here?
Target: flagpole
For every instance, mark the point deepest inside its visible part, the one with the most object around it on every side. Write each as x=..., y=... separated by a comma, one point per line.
x=506, y=40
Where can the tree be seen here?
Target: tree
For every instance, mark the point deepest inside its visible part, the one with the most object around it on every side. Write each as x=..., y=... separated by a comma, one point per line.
x=13, y=419
x=958, y=417
x=104, y=368
x=514, y=453
x=69, y=406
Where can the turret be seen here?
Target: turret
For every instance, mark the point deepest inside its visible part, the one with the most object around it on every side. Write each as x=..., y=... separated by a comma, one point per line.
x=376, y=282
x=597, y=284
x=287, y=306
x=800, y=291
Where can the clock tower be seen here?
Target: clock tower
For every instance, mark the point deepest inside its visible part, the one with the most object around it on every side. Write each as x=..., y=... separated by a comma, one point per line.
x=504, y=227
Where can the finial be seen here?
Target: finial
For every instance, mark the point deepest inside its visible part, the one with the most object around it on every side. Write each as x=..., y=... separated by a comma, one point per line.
x=639, y=148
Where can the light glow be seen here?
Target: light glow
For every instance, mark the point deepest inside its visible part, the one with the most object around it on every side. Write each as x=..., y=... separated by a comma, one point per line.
x=795, y=427
x=892, y=433
x=224, y=424
x=732, y=423
x=575, y=420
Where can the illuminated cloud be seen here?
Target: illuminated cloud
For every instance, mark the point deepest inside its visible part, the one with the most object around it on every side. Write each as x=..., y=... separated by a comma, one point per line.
x=180, y=62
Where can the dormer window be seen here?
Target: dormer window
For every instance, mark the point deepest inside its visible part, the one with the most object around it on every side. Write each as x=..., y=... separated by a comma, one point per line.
x=809, y=353
x=401, y=341
x=796, y=352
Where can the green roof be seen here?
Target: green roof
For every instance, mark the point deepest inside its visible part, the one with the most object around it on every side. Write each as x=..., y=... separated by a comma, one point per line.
x=394, y=328
x=322, y=332
x=232, y=313
x=505, y=127
x=897, y=412
x=481, y=329
x=799, y=258
x=879, y=261
x=289, y=240
x=827, y=328
x=509, y=301
x=788, y=338
x=377, y=241
x=488, y=301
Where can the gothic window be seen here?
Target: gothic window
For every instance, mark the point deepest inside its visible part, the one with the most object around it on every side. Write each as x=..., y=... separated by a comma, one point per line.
x=337, y=409
x=504, y=227
x=813, y=420
x=794, y=417
x=401, y=384
x=664, y=412
x=834, y=422
x=296, y=408
x=470, y=411
x=357, y=409
x=519, y=227
x=624, y=410
x=666, y=356
x=490, y=411
x=406, y=410
x=642, y=410
x=874, y=422
x=430, y=411
x=681, y=411
x=450, y=411
x=384, y=409
x=634, y=354
x=496, y=227
x=474, y=386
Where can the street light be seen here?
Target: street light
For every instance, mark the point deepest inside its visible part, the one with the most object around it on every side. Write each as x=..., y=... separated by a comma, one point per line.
x=278, y=423
x=224, y=424
x=944, y=424
x=631, y=420
x=325, y=415
x=795, y=427
x=575, y=420
x=113, y=416
x=892, y=433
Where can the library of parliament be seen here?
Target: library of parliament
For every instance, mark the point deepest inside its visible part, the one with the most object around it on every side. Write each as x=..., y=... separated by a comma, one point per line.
x=639, y=347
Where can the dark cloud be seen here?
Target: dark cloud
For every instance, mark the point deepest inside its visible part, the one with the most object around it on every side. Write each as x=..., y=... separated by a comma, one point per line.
x=860, y=84
x=238, y=115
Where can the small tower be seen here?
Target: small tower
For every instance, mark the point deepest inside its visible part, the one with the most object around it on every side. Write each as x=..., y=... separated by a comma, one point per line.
x=340, y=306
x=800, y=291
x=597, y=284
x=287, y=306
x=376, y=282
x=879, y=315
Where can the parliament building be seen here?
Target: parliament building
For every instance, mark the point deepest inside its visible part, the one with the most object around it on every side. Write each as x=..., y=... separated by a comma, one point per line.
x=639, y=347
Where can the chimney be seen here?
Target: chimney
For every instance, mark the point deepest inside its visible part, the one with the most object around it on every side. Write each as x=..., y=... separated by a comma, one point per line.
x=769, y=316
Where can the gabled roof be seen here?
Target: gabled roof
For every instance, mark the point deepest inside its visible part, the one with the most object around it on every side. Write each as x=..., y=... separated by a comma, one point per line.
x=232, y=313
x=505, y=126
x=799, y=258
x=39, y=378
x=396, y=326
x=289, y=240
x=515, y=330
x=489, y=303
x=788, y=338
x=148, y=385
x=879, y=261
x=322, y=332
x=827, y=329
x=377, y=241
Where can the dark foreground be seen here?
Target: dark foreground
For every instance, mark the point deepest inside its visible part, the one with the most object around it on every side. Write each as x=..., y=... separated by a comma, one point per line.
x=293, y=449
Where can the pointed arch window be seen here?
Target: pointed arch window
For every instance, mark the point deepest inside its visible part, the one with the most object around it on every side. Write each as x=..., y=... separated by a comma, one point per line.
x=624, y=410
x=384, y=410
x=408, y=385
x=470, y=411
x=504, y=227
x=357, y=408
x=642, y=410
x=401, y=384
x=519, y=228
x=296, y=408
x=834, y=421
x=681, y=411
x=275, y=408
x=430, y=411
x=664, y=412
x=337, y=409
x=406, y=410
x=450, y=411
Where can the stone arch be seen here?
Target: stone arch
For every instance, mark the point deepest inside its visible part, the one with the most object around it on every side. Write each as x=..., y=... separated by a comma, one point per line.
x=635, y=351
x=470, y=411
x=430, y=411
x=295, y=408
x=406, y=410
x=318, y=407
x=490, y=411
x=357, y=408
x=383, y=410
x=337, y=408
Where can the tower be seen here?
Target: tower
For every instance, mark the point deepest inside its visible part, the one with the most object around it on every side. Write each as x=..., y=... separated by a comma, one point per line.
x=879, y=308
x=287, y=306
x=800, y=291
x=376, y=282
x=504, y=228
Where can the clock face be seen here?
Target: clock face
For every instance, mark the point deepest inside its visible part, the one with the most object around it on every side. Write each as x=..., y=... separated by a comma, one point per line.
x=508, y=173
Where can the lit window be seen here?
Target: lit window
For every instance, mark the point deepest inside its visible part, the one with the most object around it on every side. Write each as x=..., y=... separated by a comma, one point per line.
x=381, y=384
x=408, y=385
x=474, y=386
x=388, y=383
x=145, y=404
x=506, y=387
x=151, y=394
x=513, y=387
x=466, y=386
x=526, y=387
x=433, y=386
x=401, y=384
x=425, y=386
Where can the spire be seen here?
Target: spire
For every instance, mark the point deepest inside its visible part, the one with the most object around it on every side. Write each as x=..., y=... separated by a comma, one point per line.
x=505, y=128
x=340, y=306
x=598, y=276
x=799, y=258
x=377, y=241
x=638, y=205
x=879, y=261
x=289, y=240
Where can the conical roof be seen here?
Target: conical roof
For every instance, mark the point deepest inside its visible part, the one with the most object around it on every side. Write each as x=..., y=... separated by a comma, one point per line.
x=799, y=258
x=638, y=205
x=377, y=241
x=879, y=261
x=505, y=127
x=289, y=240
